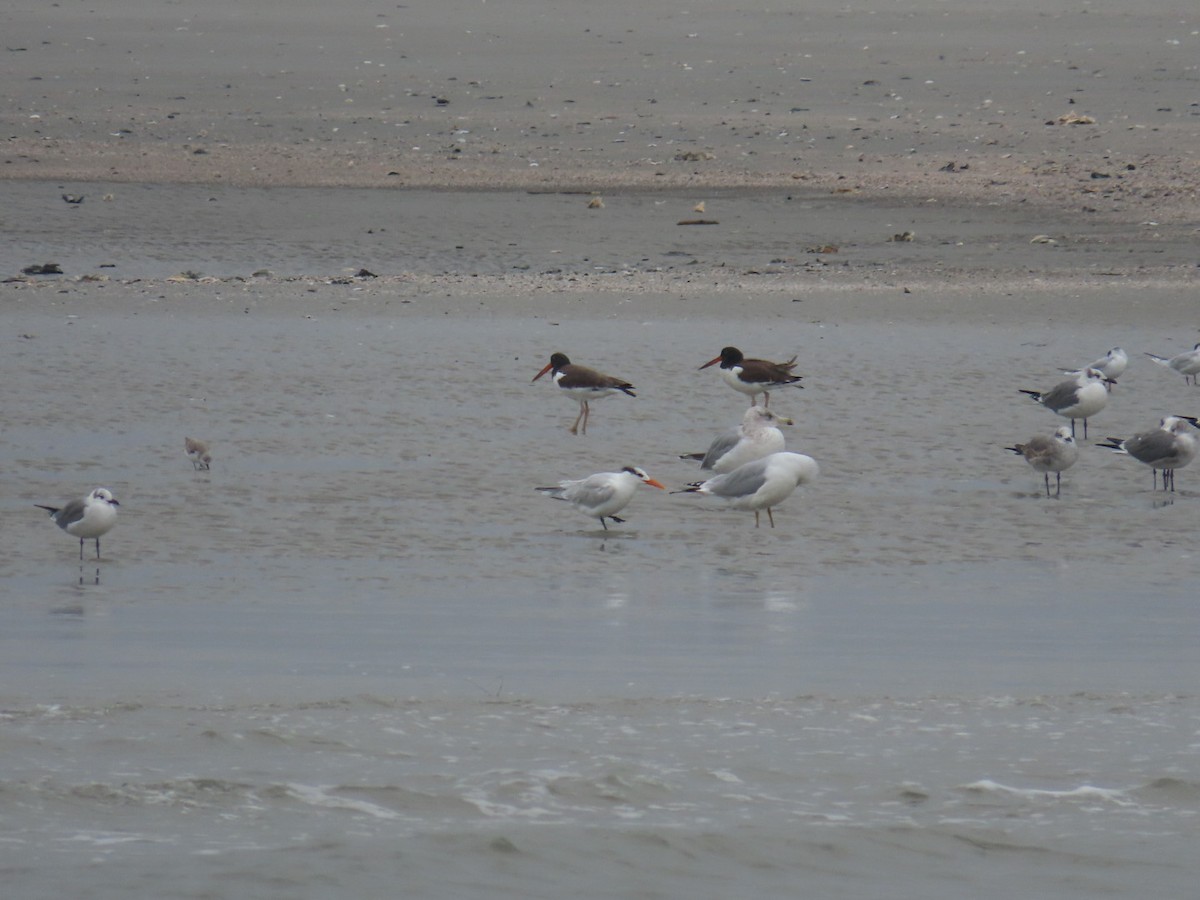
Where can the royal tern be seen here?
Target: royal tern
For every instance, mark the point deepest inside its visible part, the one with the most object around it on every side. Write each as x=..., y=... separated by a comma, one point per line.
x=1079, y=398
x=754, y=376
x=1169, y=447
x=582, y=385
x=756, y=437
x=761, y=484
x=87, y=517
x=603, y=495
x=1050, y=454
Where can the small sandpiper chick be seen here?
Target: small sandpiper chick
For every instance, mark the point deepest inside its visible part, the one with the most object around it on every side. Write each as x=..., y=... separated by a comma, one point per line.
x=198, y=453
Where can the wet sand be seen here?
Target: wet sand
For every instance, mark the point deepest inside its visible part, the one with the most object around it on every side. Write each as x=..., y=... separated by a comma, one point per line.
x=338, y=244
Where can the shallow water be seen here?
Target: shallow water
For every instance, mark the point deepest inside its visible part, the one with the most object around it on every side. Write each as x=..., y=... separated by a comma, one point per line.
x=362, y=649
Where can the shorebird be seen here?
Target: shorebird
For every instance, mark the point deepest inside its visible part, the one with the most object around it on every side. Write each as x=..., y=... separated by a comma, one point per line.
x=1169, y=447
x=583, y=385
x=756, y=437
x=1111, y=365
x=87, y=517
x=1050, y=454
x=754, y=376
x=198, y=453
x=1186, y=363
x=760, y=484
x=603, y=495
x=1080, y=398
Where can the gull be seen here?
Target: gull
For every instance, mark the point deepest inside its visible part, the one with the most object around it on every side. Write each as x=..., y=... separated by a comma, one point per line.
x=1050, y=454
x=760, y=484
x=1079, y=398
x=1111, y=365
x=1169, y=447
x=87, y=517
x=603, y=495
x=198, y=453
x=582, y=385
x=1186, y=363
x=754, y=376
x=756, y=437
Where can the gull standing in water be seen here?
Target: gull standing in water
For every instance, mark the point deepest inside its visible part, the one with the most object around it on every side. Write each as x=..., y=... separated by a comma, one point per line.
x=1080, y=398
x=198, y=453
x=1169, y=447
x=583, y=385
x=87, y=517
x=1186, y=363
x=1050, y=454
x=754, y=376
x=756, y=437
x=603, y=495
x=760, y=484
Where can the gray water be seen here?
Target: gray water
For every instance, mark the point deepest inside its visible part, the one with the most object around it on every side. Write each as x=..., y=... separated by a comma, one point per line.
x=363, y=657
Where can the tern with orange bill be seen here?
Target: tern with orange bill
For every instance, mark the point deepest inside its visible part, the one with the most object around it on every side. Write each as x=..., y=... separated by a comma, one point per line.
x=603, y=495
x=754, y=376
x=582, y=385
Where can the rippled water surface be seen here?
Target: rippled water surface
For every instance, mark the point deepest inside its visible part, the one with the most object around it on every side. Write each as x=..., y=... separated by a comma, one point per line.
x=363, y=651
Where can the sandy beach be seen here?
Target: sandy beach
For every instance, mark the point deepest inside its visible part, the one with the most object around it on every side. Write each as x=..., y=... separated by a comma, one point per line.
x=362, y=651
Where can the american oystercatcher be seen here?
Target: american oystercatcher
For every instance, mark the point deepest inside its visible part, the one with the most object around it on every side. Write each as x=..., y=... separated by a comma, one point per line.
x=754, y=376
x=583, y=385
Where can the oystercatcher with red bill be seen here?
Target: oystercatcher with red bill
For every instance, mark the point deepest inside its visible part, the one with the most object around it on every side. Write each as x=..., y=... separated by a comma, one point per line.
x=582, y=385
x=754, y=376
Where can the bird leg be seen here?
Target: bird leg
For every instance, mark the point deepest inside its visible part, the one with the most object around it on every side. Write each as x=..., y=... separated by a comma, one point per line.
x=617, y=519
x=1046, y=475
x=81, y=549
x=574, y=429
x=756, y=518
x=1058, y=484
x=770, y=517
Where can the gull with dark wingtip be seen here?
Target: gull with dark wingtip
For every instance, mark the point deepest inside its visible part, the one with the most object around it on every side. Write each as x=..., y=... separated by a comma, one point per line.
x=760, y=484
x=582, y=385
x=603, y=495
x=1050, y=454
x=1111, y=365
x=756, y=437
x=1186, y=363
x=754, y=376
x=1169, y=447
x=1079, y=398
x=87, y=517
